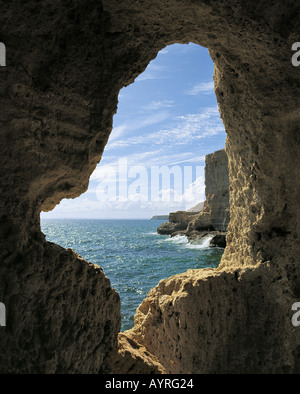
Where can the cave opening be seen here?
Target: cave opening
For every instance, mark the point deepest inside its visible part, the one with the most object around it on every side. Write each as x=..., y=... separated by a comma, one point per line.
x=65, y=67
x=153, y=164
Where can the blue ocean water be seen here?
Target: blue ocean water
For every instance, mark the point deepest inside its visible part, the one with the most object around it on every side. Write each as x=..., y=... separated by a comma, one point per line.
x=131, y=253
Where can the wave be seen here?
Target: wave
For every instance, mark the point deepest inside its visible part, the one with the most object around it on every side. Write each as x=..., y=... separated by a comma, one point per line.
x=203, y=243
x=178, y=239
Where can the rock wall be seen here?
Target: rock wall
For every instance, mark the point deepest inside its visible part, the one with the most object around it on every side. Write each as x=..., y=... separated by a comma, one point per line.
x=233, y=326
x=217, y=189
x=178, y=222
x=66, y=63
x=61, y=313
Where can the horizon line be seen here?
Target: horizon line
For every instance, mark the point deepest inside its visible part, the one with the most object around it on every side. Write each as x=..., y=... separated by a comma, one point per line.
x=72, y=218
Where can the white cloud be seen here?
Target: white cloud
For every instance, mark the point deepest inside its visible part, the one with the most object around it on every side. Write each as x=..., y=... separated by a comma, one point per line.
x=163, y=52
x=153, y=71
x=145, y=77
x=136, y=205
x=195, y=193
x=184, y=159
x=184, y=130
x=188, y=129
x=136, y=124
x=117, y=132
x=155, y=105
x=153, y=119
x=146, y=159
x=202, y=87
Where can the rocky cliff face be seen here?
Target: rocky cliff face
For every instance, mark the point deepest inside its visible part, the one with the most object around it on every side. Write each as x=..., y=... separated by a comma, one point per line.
x=178, y=222
x=61, y=312
x=217, y=189
x=66, y=63
x=215, y=213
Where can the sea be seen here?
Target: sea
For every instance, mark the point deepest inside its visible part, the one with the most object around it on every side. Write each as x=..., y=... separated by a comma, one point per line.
x=131, y=253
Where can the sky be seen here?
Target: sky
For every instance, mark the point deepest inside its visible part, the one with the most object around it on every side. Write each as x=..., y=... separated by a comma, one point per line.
x=166, y=123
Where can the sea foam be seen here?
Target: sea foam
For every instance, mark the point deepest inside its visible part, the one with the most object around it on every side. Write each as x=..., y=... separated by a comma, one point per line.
x=182, y=239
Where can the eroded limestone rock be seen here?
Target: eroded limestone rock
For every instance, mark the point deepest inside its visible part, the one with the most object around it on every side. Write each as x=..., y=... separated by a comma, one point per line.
x=202, y=221
x=130, y=357
x=61, y=313
x=220, y=321
x=178, y=221
x=217, y=189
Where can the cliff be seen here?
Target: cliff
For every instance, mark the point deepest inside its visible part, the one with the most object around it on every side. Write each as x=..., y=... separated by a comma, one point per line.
x=215, y=213
x=178, y=221
x=217, y=189
x=66, y=64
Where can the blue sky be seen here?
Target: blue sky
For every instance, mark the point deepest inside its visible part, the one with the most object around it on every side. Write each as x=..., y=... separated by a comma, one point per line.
x=167, y=121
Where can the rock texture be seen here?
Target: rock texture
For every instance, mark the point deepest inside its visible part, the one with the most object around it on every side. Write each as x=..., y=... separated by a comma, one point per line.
x=217, y=321
x=130, y=357
x=217, y=189
x=178, y=221
x=61, y=312
x=201, y=221
x=66, y=63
